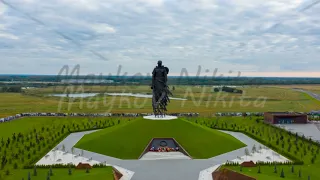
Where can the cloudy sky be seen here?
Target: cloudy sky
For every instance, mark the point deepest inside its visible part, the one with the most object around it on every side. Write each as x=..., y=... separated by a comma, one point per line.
x=254, y=37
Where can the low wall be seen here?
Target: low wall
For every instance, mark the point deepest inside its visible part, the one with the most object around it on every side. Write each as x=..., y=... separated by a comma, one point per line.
x=116, y=174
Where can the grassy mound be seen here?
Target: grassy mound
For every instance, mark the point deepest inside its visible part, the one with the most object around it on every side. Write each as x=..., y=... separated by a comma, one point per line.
x=128, y=141
x=267, y=172
x=62, y=174
x=28, y=124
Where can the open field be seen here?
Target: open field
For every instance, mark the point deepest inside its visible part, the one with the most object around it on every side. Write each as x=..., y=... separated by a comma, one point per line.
x=200, y=99
x=62, y=174
x=198, y=140
x=128, y=141
x=267, y=172
x=312, y=88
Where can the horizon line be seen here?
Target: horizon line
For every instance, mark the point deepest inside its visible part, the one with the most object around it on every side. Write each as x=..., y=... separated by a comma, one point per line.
x=243, y=75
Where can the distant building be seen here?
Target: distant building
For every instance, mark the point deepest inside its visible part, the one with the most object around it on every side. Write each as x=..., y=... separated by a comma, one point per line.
x=226, y=174
x=285, y=118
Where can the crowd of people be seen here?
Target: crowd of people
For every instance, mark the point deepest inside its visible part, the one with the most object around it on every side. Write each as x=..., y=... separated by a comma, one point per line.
x=10, y=118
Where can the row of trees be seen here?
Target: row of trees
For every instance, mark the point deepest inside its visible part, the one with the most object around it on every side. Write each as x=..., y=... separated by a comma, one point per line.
x=295, y=147
x=227, y=89
x=184, y=79
x=15, y=89
x=22, y=150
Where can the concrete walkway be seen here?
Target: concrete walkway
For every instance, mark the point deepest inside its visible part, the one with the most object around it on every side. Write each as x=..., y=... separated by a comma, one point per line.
x=163, y=155
x=309, y=130
x=162, y=169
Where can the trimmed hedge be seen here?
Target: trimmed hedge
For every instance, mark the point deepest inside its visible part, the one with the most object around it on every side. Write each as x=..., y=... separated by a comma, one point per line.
x=50, y=166
x=230, y=163
x=101, y=165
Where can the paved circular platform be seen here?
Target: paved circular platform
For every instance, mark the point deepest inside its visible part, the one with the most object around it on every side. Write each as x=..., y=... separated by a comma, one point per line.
x=167, y=117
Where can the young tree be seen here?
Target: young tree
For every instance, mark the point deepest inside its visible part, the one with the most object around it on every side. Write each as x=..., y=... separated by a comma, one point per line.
x=48, y=176
x=299, y=173
x=72, y=150
x=240, y=168
x=246, y=152
x=50, y=171
x=54, y=155
x=29, y=176
x=292, y=169
x=254, y=149
x=63, y=148
x=69, y=171
x=259, y=170
x=282, y=173
x=87, y=170
x=15, y=166
x=275, y=169
x=35, y=173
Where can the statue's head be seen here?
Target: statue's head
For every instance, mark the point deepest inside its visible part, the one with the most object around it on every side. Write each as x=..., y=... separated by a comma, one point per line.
x=159, y=63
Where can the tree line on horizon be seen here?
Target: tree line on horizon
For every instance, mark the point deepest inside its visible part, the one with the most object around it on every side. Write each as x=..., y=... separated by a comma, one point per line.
x=45, y=80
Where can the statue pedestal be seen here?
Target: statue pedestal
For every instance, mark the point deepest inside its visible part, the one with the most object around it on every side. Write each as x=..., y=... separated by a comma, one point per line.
x=167, y=117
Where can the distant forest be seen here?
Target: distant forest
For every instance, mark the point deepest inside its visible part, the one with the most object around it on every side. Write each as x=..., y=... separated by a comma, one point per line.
x=143, y=80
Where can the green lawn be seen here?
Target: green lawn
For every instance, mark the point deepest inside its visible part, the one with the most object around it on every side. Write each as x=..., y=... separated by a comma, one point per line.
x=62, y=174
x=128, y=141
x=297, y=148
x=27, y=124
x=267, y=172
x=27, y=149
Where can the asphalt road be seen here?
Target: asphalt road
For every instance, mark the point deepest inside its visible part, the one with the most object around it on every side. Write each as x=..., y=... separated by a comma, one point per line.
x=314, y=95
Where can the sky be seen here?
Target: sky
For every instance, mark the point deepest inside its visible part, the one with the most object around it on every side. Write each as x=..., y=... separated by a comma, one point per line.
x=255, y=37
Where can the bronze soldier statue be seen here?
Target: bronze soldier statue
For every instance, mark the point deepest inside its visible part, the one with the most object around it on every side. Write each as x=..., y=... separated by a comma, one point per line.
x=160, y=89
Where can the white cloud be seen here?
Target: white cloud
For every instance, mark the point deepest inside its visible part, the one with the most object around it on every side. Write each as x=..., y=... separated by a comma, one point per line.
x=2, y=10
x=244, y=35
x=8, y=36
x=102, y=28
x=152, y=2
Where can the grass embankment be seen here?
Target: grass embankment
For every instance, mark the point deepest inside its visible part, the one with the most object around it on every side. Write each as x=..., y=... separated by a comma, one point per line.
x=285, y=143
x=279, y=139
x=63, y=174
x=129, y=140
x=23, y=142
x=28, y=124
x=200, y=99
x=267, y=172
